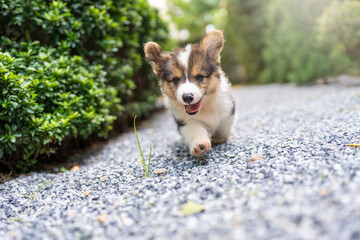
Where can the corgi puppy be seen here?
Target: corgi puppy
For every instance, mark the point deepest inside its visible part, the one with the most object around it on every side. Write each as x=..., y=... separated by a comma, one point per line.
x=196, y=90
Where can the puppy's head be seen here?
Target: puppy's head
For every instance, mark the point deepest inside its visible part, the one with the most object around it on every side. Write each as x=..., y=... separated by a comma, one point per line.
x=189, y=74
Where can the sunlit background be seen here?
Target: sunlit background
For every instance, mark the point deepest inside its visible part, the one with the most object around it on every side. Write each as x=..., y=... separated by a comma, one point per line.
x=299, y=41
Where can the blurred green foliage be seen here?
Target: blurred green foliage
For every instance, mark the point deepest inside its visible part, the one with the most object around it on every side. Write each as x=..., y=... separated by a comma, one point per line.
x=338, y=29
x=65, y=68
x=278, y=40
x=244, y=40
x=290, y=52
x=195, y=16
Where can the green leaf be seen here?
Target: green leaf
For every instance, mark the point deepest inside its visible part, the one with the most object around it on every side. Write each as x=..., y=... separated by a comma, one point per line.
x=191, y=208
x=47, y=140
x=12, y=138
x=11, y=146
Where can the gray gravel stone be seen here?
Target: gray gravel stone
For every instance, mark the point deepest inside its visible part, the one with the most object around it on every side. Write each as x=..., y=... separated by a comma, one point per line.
x=307, y=186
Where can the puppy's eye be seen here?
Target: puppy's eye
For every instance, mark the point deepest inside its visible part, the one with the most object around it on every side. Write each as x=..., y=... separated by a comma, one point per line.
x=176, y=80
x=199, y=78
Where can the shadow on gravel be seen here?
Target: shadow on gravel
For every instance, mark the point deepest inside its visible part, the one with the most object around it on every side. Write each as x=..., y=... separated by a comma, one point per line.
x=179, y=159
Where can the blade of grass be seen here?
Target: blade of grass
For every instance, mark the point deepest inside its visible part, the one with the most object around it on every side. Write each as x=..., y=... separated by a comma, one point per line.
x=149, y=160
x=142, y=156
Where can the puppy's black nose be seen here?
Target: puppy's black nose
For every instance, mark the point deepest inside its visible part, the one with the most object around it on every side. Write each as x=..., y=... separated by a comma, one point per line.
x=188, y=97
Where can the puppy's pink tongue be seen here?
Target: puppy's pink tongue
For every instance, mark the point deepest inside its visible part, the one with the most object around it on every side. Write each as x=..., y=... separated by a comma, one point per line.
x=194, y=107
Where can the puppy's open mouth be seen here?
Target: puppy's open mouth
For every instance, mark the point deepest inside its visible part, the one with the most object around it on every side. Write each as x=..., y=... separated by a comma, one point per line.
x=193, y=109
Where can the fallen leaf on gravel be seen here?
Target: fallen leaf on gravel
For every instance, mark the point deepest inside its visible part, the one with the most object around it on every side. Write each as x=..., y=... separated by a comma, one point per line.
x=75, y=168
x=191, y=208
x=101, y=219
x=87, y=193
x=160, y=171
x=324, y=192
x=353, y=145
x=255, y=158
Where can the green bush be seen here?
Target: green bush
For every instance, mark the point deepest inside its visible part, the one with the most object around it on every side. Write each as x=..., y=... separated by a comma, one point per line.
x=339, y=30
x=65, y=68
x=45, y=97
x=110, y=33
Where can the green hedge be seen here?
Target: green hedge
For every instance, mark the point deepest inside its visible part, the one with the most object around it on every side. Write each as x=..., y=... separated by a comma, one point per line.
x=70, y=68
x=45, y=97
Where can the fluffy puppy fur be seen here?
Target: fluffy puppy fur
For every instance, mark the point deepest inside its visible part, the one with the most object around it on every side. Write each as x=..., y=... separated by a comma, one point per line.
x=196, y=90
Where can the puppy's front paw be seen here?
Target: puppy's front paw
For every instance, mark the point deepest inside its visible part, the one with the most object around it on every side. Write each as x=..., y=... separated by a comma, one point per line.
x=199, y=149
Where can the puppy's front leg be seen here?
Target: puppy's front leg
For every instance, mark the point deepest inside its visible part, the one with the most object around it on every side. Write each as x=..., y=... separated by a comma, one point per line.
x=196, y=138
x=223, y=131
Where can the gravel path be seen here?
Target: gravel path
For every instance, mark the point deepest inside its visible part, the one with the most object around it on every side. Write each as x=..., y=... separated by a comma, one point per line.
x=306, y=186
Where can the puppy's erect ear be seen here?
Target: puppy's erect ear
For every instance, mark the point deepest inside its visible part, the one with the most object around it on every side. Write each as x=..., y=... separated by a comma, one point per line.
x=155, y=56
x=212, y=43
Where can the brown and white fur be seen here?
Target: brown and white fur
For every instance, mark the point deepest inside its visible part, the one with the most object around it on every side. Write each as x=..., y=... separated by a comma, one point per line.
x=196, y=90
